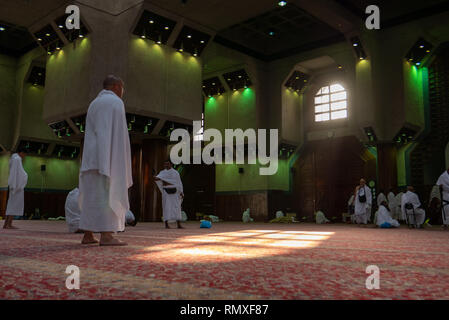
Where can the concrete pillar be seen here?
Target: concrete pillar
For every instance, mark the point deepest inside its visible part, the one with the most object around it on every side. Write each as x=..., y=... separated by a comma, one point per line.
x=387, y=166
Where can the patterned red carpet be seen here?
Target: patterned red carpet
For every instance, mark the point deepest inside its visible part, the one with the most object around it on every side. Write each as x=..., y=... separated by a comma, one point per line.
x=229, y=261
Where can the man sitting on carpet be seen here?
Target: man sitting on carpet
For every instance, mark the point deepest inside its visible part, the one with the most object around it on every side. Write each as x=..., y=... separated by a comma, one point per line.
x=384, y=219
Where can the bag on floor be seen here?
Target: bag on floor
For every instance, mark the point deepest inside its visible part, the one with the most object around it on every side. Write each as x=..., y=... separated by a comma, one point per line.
x=385, y=225
x=205, y=224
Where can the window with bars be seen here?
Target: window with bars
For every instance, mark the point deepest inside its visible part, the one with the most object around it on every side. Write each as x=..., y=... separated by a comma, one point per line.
x=331, y=103
x=199, y=136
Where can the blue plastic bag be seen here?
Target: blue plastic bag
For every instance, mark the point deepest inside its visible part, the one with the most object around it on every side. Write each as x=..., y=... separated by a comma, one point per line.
x=385, y=225
x=205, y=224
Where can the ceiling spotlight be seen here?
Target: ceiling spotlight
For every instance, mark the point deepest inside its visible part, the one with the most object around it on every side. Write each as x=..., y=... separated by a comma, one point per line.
x=340, y=67
x=202, y=41
x=189, y=36
x=39, y=39
x=181, y=50
x=159, y=42
x=355, y=44
x=81, y=36
x=271, y=33
x=166, y=28
x=2, y=29
x=421, y=46
x=151, y=21
x=61, y=26
x=282, y=3
x=47, y=34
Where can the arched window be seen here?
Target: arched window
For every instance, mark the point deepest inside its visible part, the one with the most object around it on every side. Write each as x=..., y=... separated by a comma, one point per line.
x=331, y=103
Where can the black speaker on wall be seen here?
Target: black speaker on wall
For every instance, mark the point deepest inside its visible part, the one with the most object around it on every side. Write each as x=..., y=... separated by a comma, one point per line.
x=43, y=168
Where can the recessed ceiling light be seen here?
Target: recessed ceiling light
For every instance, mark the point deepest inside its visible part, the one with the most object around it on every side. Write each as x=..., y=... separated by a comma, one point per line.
x=39, y=39
x=282, y=3
x=166, y=28
x=2, y=29
x=202, y=41
x=151, y=21
x=189, y=36
x=47, y=34
x=61, y=26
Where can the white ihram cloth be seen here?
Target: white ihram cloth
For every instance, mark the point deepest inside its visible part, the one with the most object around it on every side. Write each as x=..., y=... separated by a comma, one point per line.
x=72, y=210
x=411, y=197
x=443, y=181
x=321, y=218
x=392, y=204
x=362, y=210
x=17, y=181
x=383, y=215
x=106, y=167
x=171, y=203
x=398, y=211
x=381, y=197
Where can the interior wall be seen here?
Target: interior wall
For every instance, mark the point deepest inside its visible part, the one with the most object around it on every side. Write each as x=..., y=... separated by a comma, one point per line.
x=8, y=98
x=59, y=175
x=4, y=170
x=327, y=173
x=158, y=80
x=163, y=81
x=32, y=123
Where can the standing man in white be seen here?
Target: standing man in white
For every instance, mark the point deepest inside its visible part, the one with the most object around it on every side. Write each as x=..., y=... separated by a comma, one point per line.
x=106, y=166
x=169, y=183
x=17, y=181
x=443, y=182
x=363, y=201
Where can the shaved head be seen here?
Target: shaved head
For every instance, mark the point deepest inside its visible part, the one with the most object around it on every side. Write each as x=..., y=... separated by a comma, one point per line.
x=110, y=81
x=114, y=84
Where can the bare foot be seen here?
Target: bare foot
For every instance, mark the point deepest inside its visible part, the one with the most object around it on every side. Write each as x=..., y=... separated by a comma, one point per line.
x=89, y=240
x=10, y=227
x=112, y=242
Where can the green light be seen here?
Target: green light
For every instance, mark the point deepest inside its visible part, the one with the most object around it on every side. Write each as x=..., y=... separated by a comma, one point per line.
x=282, y=3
